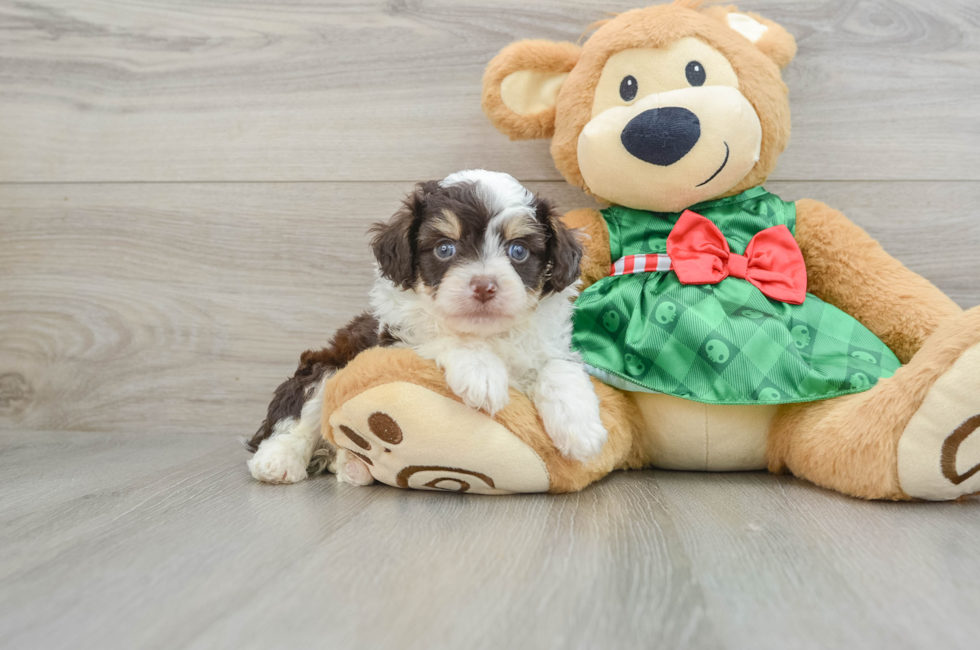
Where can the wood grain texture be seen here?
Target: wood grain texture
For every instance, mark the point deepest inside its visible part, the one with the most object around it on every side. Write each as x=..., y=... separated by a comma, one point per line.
x=179, y=307
x=389, y=90
x=164, y=260
x=160, y=541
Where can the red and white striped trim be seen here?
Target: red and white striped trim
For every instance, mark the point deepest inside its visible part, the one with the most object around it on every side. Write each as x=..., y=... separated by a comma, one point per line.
x=633, y=264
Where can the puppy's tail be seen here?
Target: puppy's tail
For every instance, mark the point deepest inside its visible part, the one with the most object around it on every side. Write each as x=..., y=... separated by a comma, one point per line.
x=287, y=402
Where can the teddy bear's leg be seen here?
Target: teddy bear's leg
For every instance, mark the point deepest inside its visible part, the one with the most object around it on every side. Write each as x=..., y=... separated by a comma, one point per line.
x=913, y=436
x=392, y=410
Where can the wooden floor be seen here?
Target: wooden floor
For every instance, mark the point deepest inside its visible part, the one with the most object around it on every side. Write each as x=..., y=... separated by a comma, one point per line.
x=185, y=187
x=153, y=541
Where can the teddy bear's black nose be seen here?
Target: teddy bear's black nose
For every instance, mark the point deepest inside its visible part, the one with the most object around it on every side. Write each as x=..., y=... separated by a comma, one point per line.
x=662, y=136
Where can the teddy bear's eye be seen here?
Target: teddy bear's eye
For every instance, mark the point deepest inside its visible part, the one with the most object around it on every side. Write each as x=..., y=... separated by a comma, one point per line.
x=628, y=89
x=696, y=76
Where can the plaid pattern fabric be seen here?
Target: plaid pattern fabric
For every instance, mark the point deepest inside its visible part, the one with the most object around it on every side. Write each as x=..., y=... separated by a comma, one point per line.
x=725, y=343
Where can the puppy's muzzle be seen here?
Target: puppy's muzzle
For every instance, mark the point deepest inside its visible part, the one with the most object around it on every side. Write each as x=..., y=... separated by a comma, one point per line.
x=484, y=288
x=662, y=136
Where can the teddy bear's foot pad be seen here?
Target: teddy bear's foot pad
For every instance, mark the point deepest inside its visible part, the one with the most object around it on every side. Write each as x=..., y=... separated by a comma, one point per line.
x=411, y=437
x=939, y=452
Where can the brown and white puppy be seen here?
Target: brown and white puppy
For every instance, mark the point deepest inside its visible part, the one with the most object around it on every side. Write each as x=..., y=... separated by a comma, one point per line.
x=477, y=274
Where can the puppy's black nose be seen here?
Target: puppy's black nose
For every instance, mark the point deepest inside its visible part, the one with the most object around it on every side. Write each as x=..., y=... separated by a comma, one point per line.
x=484, y=288
x=662, y=136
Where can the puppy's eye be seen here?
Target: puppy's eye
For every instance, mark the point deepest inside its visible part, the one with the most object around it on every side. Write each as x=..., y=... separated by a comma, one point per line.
x=696, y=76
x=519, y=252
x=445, y=251
x=629, y=88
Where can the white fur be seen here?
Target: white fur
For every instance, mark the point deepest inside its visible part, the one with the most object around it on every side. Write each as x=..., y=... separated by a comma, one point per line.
x=533, y=356
x=535, y=337
x=569, y=409
x=284, y=457
x=747, y=26
x=525, y=343
x=474, y=372
x=501, y=192
x=454, y=304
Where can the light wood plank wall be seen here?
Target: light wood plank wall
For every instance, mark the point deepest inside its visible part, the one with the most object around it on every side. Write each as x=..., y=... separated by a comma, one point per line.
x=185, y=184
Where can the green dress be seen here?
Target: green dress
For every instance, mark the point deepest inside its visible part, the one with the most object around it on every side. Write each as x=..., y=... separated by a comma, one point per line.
x=725, y=343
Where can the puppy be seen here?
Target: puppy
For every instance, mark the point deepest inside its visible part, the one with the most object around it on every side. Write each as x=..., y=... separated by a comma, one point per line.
x=477, y=274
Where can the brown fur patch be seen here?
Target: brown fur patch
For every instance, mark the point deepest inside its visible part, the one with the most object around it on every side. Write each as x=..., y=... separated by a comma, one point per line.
x=851, y=271
x=597, y=262
x=541, y=56
x=394, y=242
x=289, y=398
x=564, y=249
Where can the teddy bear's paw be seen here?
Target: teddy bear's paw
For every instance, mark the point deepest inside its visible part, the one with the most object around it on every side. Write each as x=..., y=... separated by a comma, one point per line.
x=939, y=451
x=278, y=463
x=407, y=436
x=352, y=470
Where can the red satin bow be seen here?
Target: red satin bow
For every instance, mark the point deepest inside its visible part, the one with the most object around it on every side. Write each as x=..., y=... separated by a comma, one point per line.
x=772, y=262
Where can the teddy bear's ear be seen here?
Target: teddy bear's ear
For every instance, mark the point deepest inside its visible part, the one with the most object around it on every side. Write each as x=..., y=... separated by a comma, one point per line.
x=521, y=84
x=770, y=37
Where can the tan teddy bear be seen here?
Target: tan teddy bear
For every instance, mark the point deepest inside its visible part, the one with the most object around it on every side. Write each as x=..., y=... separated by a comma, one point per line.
x=726, y=329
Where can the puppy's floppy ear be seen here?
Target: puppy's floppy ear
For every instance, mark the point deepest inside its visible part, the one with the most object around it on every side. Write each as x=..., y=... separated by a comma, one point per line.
x=564, y=250
x=521, y=84
x=394, y=242
x=770, y=37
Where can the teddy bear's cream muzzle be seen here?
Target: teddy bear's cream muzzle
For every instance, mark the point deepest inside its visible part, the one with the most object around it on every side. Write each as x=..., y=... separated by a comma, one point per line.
x=671, y=150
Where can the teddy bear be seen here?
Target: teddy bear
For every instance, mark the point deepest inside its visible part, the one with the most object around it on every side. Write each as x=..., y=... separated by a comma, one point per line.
x=725, y=329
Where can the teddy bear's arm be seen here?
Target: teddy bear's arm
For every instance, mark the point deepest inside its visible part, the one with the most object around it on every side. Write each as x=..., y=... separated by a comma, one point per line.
x=851, y=271
x=596, y=262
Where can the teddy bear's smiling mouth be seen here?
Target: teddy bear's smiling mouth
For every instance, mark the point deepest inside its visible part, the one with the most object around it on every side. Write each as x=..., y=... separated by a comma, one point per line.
x=728, y=153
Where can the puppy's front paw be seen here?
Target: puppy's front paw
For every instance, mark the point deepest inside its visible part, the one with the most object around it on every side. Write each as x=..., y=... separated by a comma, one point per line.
x=276, y=463
x=480, y=383
x=578, y=439
x=569, y=409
